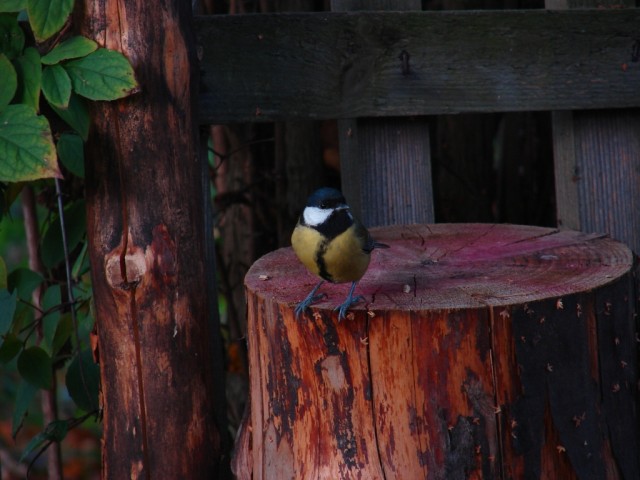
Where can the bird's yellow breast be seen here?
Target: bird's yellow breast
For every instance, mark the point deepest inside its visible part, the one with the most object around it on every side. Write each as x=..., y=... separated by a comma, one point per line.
x=305, y=242
x=339, y=260
x=345, y=259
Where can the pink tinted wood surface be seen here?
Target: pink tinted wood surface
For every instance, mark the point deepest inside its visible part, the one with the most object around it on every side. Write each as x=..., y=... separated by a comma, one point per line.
x=447, y=266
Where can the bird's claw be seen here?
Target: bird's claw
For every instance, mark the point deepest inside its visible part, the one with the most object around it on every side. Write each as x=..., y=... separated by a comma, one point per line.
x=304, y=305
x=344, y=307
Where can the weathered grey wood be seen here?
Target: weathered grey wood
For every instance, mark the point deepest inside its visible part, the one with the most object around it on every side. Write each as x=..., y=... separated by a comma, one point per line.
x=564, y=4
x=597, y=161
x=565, y=171
x=386, y=162
x=342, y=65
x=599, y=155
x=386, y=170
x=373, y=5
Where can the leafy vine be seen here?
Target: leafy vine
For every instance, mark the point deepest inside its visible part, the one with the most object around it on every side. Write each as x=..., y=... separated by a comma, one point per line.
x=47, y=77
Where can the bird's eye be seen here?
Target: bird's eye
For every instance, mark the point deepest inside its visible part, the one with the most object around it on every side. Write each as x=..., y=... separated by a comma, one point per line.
x=323, y=204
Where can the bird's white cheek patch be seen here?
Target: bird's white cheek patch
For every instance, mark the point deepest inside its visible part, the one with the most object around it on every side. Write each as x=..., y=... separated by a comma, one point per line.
x=314, y=216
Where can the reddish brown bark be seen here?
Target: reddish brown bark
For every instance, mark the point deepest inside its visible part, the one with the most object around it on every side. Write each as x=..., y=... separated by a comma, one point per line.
x=145, y=226
x=481, y=351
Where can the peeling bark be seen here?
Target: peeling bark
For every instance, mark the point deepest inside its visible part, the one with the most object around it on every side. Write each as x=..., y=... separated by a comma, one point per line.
x=146, y=239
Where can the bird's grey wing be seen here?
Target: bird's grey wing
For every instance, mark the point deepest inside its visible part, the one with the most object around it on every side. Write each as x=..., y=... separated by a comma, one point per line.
x=368, y=242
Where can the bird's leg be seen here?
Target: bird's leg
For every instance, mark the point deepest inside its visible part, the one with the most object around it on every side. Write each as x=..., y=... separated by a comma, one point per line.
x=311, y=298
x=348, y=302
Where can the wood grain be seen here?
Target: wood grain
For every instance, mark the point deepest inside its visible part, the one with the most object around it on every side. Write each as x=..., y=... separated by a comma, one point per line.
x=346, y=65
x=596, y=153
x=444, y=266
x=597, y=173
x=385, y=163
x=481, y=351
x=158, y=387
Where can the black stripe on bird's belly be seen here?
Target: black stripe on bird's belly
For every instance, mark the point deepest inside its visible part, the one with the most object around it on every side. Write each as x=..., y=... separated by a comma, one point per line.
x=322, y=266
x=337, y=223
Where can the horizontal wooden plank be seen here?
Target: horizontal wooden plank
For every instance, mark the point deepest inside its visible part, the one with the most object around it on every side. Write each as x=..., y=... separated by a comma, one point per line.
x=340, y=65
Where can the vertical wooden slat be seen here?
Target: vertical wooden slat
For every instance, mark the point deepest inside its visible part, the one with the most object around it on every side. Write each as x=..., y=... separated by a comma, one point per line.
x=607, y=146
x=597, y=165
x=386, y=162
x=567, y=203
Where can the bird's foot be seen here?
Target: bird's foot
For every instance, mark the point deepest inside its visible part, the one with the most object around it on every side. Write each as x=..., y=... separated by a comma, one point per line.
x=304, y=305
x=307, y=302
x=344, y=307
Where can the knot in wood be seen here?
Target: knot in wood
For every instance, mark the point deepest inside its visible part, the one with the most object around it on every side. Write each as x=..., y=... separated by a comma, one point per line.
x=125, y=273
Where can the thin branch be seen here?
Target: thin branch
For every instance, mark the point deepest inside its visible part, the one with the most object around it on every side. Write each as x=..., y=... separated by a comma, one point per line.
x=67, y=263
x=224, y=156
x=70, y=294
x=49, y=400
x=46, y=312
x=71, y=424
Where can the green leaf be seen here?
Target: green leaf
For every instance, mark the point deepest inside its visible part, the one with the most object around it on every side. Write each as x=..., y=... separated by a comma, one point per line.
x=30, y=75
x=9, y=195
x=12, y=5
x=102, y=75
x=11, y=36
x=24, y=396
x=34, y=364
x=71, y=153
x=75, y=223
x=27, y=151
x=8, y=303
x=3, y=273
x=54, y=432
x=11, y=346
x=57, y=430
x=81, y=265
x=56, y=86
x=24, y=282
x=36, y=443
x=76, y=116
x=9, y=83
x=50, y=300
x=83, y=381
x=24, y=316
x=48, y=16
x=63, y=332
x=75, y=47
x=86, y=322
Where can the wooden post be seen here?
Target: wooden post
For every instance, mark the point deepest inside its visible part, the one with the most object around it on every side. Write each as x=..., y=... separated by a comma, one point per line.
x=146, y=239
x=386, y=162
x=480, y=351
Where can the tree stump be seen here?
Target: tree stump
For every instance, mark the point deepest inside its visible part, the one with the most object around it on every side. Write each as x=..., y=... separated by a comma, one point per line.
x=481, y=351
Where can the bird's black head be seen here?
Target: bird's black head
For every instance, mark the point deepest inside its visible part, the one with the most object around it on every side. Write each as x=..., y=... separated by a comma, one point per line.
x=327, y=211
x=326, y=198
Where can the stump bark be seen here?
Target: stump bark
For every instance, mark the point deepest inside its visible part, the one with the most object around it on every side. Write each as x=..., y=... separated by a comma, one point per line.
x=480, y=351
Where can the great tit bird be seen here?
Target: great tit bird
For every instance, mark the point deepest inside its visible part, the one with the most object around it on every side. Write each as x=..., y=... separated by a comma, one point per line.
x=332, y=244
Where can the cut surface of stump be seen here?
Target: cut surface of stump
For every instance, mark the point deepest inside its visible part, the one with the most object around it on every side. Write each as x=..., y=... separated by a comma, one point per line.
x=479, y=351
